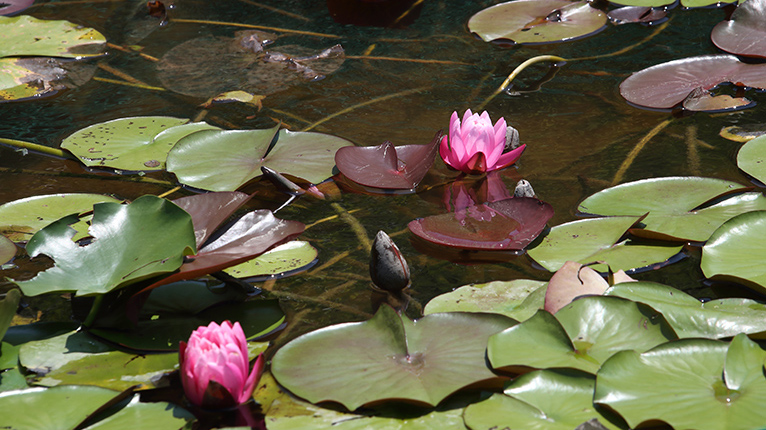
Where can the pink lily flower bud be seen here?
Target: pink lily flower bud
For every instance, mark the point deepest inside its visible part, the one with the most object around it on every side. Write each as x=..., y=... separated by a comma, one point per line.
x=215, y=370
x=476, y=146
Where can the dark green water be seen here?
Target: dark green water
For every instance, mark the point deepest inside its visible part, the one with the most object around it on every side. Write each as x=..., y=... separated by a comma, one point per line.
x=577, y=128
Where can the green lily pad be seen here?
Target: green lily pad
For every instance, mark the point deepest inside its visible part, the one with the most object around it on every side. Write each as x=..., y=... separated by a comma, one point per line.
x=7, y=251
x=285, y=412
x=224, y=160
x=589, y=240
x=24, y=78
x=159, y=416
x=22, y=218
x=135, y=144
x=750, y=158
x=518, y=299
x=673, y=205
x=539, y=400
x=691, y=383
x=76, y=358
x=733, y=251
x=51, y=408
x=715, y=319
x=8, y=306
x=284, y=260
x=420, y=361
x=537, y=21
x=132, y=242
x=27, y=36
x=68, y=407
x=581, y=336
x=12, y=379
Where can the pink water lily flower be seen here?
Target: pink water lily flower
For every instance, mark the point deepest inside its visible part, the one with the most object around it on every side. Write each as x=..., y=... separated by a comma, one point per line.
x=218, y=353
x=476, y=146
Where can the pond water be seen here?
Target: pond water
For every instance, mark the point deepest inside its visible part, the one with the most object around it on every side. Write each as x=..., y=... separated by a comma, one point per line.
x=577, y=128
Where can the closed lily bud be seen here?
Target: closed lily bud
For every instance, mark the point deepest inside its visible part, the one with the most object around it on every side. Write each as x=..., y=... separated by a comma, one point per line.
x=523, y=189
x=215, y=369
x=388, y=268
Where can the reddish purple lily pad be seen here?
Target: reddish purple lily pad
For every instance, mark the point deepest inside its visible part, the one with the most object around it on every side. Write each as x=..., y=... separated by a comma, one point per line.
x=387, y=166
x=633, y=14
x=666, y=85
x=12, y=7
x=745, y=33
x=509, y=224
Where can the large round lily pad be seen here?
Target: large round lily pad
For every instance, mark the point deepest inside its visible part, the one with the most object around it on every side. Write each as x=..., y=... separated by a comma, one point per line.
x=751, y=158
x=421, y=361
x=539, y=400
x=509, y=224
x=537, y=21
x=224, y=160
x=665, y=85
x=208, y=66
x=745, y=32
x=28, y=36
x=673, y=205
x=714, y=319
x=22, y=218
x=590, y=240
x=734, y=251
x=689, y=384
x=134, y=144
x=582, y=335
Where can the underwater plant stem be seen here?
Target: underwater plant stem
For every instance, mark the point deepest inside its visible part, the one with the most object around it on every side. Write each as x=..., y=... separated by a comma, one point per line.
x=356, y=226
x=634, y=152
x=90, y=176
x=93, y=311
x=120, y=74
x=516, y=71
x=169, y=192
x=35, y=147
x=258, y=27
x=129, y=84
x=368, y=102
x=651, y=35
x=317, y=300
x=406, y=60
x=277, y=10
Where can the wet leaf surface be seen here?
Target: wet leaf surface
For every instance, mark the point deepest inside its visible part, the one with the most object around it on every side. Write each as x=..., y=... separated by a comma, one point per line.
x=537, y=21
x=509, y=224
x=745, y=33
x=27, y=36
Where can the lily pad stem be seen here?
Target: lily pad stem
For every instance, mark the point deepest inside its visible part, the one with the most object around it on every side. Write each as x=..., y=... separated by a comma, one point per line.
x=634, y=152
x=356, y=226
x=35, y=147
x=516, y=71
x=93, y=311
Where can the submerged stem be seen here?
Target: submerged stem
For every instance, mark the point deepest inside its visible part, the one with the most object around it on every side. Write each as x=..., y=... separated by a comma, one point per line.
x=516, y=71
x=634, y=153
x=93, y=311
x=36, y=147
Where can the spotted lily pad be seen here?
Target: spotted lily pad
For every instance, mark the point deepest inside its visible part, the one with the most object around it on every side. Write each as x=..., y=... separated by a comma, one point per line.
x=208, y=66
x=751, y=160
x=518, y=299
x=20, y=219
x=676, y=206
x=27, y=36
x=133, y=144
x=734, y=251
x=386, y=165
x=537, y=21
x=581, y=336
x=420, y=361
x=666, y=85
x=714, y=319
x=690, y=383
x=509, y=224
x=224, y=160
x=539, y=400
x=284, y=260
x=596, y=239
x=745, y=33
x=7, y=251
x=132, y=242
